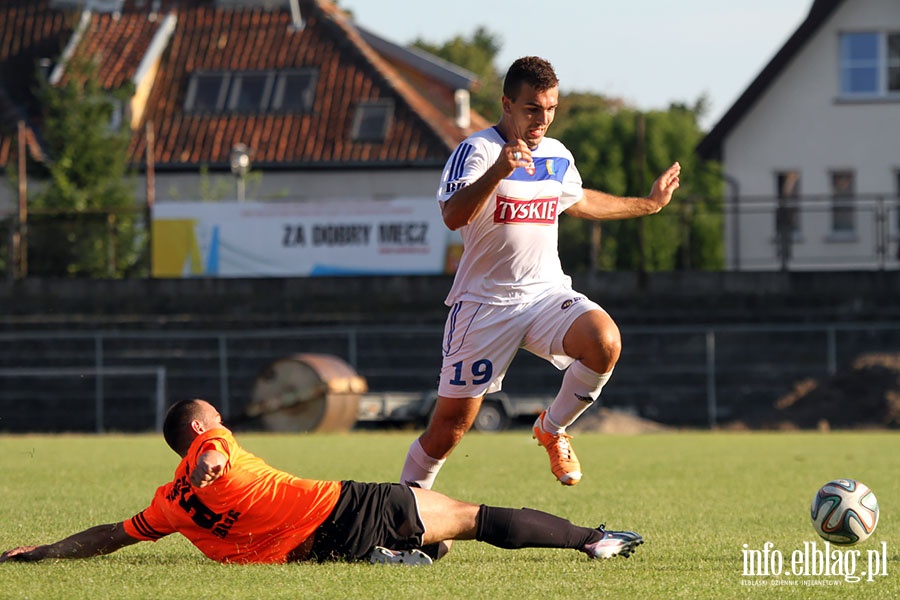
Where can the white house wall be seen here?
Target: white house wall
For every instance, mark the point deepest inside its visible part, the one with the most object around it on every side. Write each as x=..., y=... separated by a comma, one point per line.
x=800, y=123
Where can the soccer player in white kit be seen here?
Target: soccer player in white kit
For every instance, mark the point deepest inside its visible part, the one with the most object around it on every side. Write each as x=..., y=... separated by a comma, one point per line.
x=503, y=188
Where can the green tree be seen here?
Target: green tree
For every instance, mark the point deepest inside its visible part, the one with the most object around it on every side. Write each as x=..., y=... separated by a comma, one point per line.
x=621, y=150
x=478, y=55
x=83, y=222
x=573, y=105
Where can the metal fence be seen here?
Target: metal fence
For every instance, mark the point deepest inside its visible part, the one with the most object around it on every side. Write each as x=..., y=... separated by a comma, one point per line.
x=99, y=377
x=687, y=375
x=812, y=233
x=760, y=233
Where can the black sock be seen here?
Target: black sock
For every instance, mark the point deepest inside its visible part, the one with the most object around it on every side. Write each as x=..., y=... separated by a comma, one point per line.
x=513, y=528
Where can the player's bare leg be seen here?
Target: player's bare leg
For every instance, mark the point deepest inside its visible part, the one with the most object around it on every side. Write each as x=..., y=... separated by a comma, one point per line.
x=596, y=344
x=445, y=518
x=451, y=419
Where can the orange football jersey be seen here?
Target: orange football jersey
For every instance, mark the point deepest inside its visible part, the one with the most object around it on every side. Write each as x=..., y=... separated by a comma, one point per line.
x=253, y=513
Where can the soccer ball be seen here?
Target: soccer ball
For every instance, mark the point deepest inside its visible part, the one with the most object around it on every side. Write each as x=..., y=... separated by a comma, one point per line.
x=844, y=512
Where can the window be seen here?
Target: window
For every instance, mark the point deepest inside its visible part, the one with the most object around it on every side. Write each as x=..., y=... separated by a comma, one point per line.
x=843, y=213
x=787, y=214
x=893, y=66
x=897, y=206
x=117, y=117
x=372, y=121
x=247, y=92
x=870, y=64
x=295, y=90
x=97, y=6
x=206, y=92
x=787, y=217
x=250, y=92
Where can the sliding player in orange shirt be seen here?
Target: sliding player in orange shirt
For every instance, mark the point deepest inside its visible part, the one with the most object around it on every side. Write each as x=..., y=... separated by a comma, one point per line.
x=237, y=509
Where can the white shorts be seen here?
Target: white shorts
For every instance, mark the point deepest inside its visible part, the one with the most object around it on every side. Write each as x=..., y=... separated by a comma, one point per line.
x=481, y=340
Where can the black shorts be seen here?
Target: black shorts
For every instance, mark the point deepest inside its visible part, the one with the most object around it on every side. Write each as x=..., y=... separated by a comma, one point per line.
x=368, y=515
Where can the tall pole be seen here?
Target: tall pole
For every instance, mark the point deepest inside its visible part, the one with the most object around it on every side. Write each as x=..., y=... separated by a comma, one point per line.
x=641, y=159
x=596, y=243
x=151, y=193
x=735, y=219
x=240, y=165
x=151, y=166
x=241, y=187
x=21, y=240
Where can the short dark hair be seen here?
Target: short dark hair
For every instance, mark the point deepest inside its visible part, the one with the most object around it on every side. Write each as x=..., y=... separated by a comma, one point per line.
x=177, y=426
x=533, y=70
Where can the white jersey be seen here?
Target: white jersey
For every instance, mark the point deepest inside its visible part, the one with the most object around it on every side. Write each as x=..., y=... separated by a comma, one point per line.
x=510, y=250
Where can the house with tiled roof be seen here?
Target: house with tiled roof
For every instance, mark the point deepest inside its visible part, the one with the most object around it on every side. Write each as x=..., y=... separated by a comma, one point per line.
x=266, y=101
x=810, y=150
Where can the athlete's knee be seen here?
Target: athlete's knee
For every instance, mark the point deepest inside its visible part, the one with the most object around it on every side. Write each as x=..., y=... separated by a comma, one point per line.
x=609, y=342
x=606, y=337
x=600, y=343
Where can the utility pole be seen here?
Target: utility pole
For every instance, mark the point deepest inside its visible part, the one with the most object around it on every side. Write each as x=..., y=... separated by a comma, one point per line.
x=240, y=165
x=20, y=239
x=151, y=193
x=641, y=159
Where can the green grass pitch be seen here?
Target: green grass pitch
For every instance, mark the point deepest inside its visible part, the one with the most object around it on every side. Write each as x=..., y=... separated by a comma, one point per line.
x=701, y=500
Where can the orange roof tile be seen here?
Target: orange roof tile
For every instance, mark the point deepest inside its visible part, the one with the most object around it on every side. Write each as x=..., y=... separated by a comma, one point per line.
x=245, y=38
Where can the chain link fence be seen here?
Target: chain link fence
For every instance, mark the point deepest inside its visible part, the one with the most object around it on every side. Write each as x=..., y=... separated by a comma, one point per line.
x=684, y=376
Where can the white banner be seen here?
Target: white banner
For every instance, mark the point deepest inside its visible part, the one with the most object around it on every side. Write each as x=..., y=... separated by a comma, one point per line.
x=283, y=239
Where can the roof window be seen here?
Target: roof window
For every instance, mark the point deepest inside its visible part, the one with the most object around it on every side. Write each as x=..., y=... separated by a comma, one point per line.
x=251, y=92
x=372, y=120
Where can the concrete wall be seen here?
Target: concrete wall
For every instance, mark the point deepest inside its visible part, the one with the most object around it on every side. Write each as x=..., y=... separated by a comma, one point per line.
x=656, y=298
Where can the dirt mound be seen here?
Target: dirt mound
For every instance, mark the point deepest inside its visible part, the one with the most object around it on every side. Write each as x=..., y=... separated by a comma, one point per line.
x=604, y=420
x=866, y=395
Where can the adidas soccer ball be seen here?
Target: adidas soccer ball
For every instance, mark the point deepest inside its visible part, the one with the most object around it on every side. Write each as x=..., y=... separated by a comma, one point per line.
x=844, y=512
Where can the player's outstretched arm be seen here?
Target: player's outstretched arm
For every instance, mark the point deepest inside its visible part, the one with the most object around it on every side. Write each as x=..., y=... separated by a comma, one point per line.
x=96, y=541
x=600, y=206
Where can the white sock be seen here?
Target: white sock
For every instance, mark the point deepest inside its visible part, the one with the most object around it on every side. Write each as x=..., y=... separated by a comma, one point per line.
x=419, y=468
x=580, y=387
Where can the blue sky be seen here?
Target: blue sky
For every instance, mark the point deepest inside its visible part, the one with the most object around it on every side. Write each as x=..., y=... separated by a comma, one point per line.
x=649, y=52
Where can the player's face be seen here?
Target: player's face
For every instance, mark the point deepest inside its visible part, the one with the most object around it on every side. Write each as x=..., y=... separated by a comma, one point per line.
x=531, y=112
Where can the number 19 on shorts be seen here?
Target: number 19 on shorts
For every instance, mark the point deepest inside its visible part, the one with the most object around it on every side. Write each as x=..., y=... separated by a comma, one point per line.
x=478, y=373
